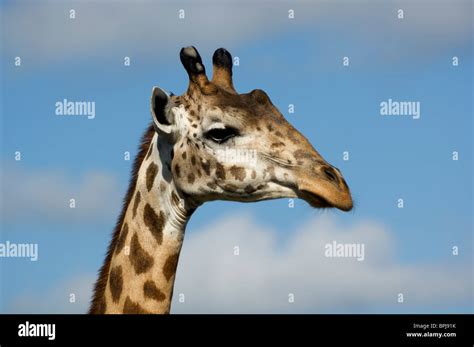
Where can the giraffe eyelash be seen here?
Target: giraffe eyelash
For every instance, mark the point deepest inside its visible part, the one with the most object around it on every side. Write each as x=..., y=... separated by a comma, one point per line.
x=221, y=135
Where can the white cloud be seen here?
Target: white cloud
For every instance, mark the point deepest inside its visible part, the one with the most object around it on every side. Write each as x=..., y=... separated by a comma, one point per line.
x=260, y=278
x=130, y=28
x=151, y=28
x=33, y=195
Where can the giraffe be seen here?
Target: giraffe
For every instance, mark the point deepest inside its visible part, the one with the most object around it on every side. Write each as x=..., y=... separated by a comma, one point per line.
x=182, y=163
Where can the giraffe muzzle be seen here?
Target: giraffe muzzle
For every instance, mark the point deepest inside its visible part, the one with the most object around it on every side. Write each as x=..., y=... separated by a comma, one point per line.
x=326, y=189
x=317, y=200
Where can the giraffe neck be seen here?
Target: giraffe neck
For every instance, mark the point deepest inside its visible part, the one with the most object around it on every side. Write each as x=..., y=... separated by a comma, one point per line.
x=143, y=259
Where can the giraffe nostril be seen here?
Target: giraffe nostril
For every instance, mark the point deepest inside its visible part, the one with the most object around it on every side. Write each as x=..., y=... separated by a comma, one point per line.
x=331, y=174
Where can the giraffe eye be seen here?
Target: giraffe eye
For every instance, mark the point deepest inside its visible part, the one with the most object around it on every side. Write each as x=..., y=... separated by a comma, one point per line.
x=221, y=135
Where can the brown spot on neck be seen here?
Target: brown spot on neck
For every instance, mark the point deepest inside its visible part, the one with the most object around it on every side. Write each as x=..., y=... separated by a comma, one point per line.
x=169, y=269
x=154, y=222
x=116, y=283
x=151, y=291
x=151, y=173
x=140, y=259
x=131, y=307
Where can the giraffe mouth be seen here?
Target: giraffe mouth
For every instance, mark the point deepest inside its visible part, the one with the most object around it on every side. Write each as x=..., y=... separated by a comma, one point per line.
x=315, y=200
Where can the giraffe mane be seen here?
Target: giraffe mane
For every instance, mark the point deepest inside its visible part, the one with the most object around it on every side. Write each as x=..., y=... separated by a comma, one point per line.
x=97, y=304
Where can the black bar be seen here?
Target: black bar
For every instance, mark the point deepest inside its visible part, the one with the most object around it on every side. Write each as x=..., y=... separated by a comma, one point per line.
x=324, y=330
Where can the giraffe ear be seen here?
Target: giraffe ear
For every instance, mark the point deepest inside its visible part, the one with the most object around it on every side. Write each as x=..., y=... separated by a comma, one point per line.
x=160, y=111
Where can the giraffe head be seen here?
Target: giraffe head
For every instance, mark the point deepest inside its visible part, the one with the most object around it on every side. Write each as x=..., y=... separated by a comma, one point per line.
x=229, y=146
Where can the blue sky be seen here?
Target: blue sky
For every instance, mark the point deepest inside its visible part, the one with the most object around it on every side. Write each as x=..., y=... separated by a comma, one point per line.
x=296, y=62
